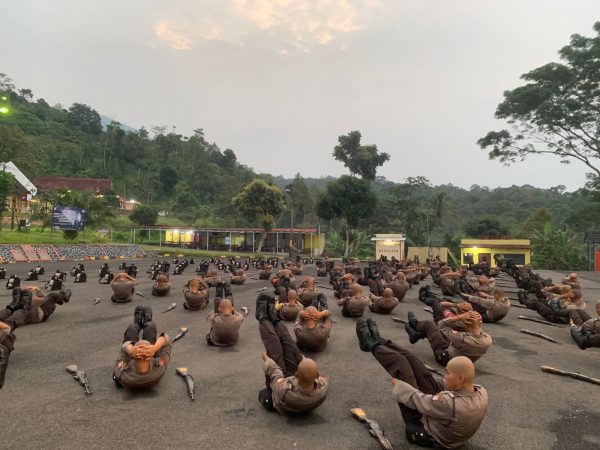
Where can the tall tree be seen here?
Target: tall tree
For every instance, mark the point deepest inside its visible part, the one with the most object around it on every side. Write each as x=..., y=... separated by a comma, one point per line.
x=360, y=159
x=144, y=215
x=260, y=202
x=7, y=182
x=535, y=222
x=86, y=118
x=348, y=198
x=556, y=112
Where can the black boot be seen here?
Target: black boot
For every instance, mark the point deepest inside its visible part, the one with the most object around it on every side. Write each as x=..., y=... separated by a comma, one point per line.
x=3, y=363
x=271, y=312
x=261, y=307
x=219, y=289
x=375, y=333
x=16, y=299
x=26, y=298
x=522, y=297
x=581, y=338
x=413, y=335
x=412, y=320
x=366, y=342
x=228, y=292
x=147, y=316
x=423, y=293
x=138, y=316
x=67, y=295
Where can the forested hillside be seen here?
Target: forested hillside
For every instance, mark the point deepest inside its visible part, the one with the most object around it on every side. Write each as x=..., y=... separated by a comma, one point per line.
x=194, y=180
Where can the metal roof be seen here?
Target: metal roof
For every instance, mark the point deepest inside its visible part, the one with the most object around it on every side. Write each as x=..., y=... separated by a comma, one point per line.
x=23, y=181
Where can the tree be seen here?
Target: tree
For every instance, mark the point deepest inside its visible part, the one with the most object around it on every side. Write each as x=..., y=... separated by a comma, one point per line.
x=361, y=160
x=536, y=221
x=260, y=202
x=144, y=215
x=557, y=112
x=556, y=249
x=485, y=226
x=168, y=177
x=7, y=181
x=85, y=118
x=348, y=198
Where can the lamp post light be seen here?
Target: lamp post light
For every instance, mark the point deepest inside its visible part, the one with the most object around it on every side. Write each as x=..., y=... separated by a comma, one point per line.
x=290, y=191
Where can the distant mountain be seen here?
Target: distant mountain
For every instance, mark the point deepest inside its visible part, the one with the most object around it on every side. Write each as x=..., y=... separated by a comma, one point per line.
x=106, y=120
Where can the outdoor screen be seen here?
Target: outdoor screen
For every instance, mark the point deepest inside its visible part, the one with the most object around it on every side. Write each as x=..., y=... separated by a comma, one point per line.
x=68, y=218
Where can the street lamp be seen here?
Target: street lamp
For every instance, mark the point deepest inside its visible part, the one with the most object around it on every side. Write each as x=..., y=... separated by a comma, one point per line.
x=290, y=191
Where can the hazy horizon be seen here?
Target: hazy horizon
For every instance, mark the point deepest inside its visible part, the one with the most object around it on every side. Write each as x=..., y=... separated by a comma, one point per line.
x=278, y=81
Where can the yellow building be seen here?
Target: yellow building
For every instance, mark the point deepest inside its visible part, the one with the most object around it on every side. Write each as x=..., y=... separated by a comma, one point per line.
x=473, y=251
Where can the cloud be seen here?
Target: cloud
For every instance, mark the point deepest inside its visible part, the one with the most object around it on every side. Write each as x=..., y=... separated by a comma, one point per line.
x=172, y=37
x=307, y=22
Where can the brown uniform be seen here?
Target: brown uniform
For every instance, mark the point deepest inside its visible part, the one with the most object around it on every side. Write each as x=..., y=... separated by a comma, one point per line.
x=162, y=287
x=447, y=343
x=382, y=305
x=122, y=291
x=225, y=329
x=353, y=306
x=400, y=289
x=196, y=297
x=306, y=296
x=491, y=310
x=451, y=418
x=125, y=369
x=289, y=313
x=288, y=396
x=312, y=339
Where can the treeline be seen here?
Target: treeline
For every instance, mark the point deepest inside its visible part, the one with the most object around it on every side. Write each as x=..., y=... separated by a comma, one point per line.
x=195, y=180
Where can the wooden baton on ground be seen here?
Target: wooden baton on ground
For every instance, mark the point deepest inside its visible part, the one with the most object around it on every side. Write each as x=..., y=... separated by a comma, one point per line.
x=575, y=375
x=540, y=335
x=545, y=322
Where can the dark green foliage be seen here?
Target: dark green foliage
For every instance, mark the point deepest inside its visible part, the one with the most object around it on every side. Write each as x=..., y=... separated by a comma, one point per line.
x=144, y=215
x=361, y=160
x=556, y=112
x=7, y=182
x=85, y=118
x=486, y=226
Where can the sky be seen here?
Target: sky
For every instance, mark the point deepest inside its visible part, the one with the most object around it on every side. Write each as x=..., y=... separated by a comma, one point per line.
x=278, y=81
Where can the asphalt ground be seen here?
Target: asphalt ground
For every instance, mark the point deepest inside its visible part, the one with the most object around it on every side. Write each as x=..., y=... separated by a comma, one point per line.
x=43, y=407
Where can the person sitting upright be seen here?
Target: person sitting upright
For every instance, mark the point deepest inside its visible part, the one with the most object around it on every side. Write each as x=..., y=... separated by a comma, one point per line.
x=142, y=362
x=293, y=382
x=225, y=325
x=123, y=287
x=161, y=287
x=435, y=414
x=354, y=306
x=384, y=304
x=312, y=329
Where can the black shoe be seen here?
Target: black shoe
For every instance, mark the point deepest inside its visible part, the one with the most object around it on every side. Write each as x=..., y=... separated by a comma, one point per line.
x=3, y=363
x=147, y=316
x=16, y=299
x=26, y=298
x=412, y=320
x=271, y=313
x=522, y=297
x=219, y=289
x=67, y=295
x=375, y=332
x=413, y=335
x=138, y=316
x=228, y=292
x=261, y=307
x=580, y=338
x=366, y=342
x=423, y=293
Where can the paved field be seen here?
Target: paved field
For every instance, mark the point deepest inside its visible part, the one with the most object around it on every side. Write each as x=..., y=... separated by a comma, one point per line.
x=43, y=407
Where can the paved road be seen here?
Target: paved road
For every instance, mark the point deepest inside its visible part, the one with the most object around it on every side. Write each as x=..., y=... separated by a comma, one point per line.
x=43, y=407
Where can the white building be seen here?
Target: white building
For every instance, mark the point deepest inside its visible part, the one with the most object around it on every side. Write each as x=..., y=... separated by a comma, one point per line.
x=389, y=245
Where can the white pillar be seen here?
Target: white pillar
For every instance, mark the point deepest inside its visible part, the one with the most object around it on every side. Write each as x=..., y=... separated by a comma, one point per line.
x=207, y=238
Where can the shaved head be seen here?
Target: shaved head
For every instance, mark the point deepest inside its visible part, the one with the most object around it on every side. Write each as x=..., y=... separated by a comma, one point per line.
x=460, y=374
x=387, y=292
x=357, y=290
x=225, y=306
x=292, y=294
x=307, y=372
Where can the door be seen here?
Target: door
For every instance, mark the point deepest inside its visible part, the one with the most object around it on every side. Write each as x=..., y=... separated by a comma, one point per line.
x=484, y=257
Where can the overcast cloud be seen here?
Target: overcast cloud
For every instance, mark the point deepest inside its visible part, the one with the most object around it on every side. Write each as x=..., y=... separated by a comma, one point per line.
x=278, y=80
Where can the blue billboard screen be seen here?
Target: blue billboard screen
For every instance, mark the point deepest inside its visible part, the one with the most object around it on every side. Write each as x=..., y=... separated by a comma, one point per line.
x=68, y=218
